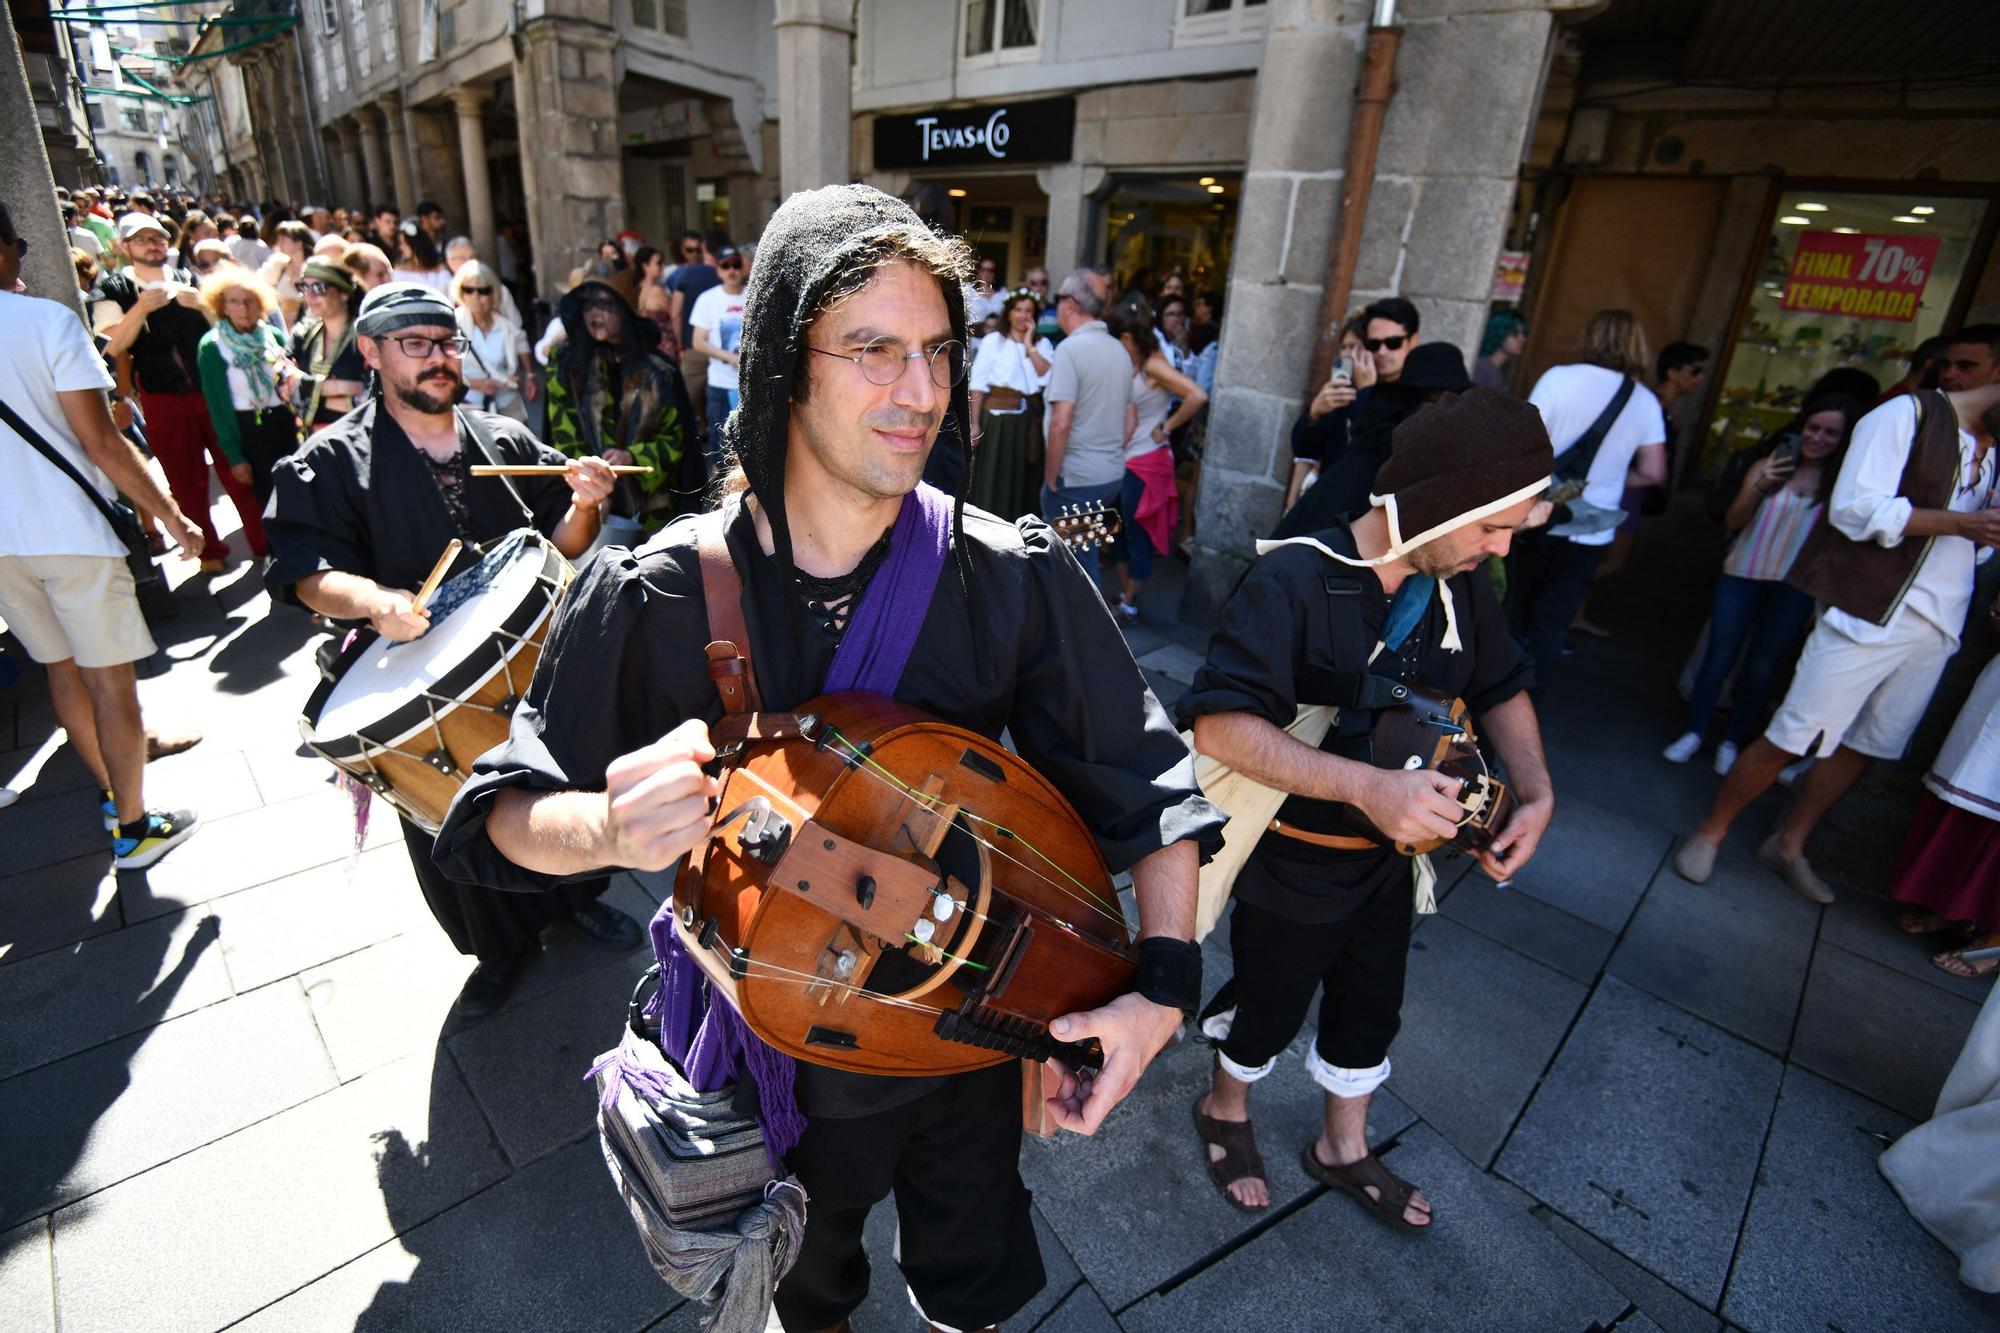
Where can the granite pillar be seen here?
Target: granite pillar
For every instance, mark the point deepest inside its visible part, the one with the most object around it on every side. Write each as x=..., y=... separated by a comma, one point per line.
x=400, y=170
x=815, y=103
x=469, y=104
x=566, y=100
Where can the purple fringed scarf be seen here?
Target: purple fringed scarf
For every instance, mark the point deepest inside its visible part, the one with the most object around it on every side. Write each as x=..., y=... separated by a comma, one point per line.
x=711, y=1047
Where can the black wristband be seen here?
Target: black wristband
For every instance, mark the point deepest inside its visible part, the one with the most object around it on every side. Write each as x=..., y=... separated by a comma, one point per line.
x=1170, y=973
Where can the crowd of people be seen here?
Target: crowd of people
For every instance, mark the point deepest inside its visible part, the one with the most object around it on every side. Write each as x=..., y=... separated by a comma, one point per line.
x=339, y=373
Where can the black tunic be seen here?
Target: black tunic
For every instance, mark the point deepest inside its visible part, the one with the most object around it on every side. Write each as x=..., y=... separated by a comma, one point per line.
x=360, y=498
x=1296, y=621
x=1064, y=687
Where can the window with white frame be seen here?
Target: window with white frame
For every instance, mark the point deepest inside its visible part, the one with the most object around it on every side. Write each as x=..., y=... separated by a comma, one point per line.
x=668, y=18
x=329, y=16
x=132, y=116
x=364, y=56
x=1202, y=22
x=999, y=32
x=388, y=36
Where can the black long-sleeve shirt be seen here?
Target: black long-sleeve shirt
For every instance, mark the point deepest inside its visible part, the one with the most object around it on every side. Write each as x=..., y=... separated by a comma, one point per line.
x=1296, y=628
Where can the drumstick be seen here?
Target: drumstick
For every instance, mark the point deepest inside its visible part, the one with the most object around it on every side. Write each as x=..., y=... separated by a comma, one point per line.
x=437, y=575
x=540, y=470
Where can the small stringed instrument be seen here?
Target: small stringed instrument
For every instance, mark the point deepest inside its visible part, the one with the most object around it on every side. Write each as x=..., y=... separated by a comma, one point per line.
x=1432, y=730
x=888, y=894
x=1082, y=526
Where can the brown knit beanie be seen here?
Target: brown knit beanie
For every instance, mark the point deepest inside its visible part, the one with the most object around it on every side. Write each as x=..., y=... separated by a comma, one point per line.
x=1459, y=459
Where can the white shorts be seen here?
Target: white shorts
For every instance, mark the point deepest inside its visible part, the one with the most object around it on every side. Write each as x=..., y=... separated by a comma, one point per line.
x=78, y=607
x=1866, y=696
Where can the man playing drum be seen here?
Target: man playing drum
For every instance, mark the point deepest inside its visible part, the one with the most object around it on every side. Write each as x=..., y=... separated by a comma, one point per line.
x=853, y=358
x=360, y=515
x=1395, y=595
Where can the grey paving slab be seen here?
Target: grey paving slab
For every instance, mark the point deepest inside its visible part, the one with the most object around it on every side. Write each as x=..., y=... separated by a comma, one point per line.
x=1480, y=1023
x=108, y=986
x=84, y=1123
x=1568, y=944
x=27, y=1280
x=42, y=833
x=1332, y=1266
x=287, y=925
x=1660, y=1306
x=549, y=1247
x=1827, y=1243
x=1734, y=950
x=526, y=1065
x=215, y=783
x=1594, y=863
x=1878, y=1031
x=1175, y=661
x=220, y=1233
x=1133, y=1203
x=1082, y=1311
x=1865, y=924
x=283, y=773
x=1646, y=1134
x=240, y=851
x=58, y=905
x=36, y=772
x=385, y=1001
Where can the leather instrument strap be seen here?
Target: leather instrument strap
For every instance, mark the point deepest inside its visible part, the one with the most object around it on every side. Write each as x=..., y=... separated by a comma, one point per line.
x=729, y=663
x=1336, y=841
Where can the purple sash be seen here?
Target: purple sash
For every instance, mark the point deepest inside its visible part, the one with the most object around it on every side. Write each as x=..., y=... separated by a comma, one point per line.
x=710, y=1048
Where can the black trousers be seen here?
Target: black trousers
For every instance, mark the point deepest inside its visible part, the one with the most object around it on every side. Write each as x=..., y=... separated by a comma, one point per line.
x=491, y=924
x=1359, y=961
x=264, y=443
x=1548, y=581
x=966, y=1238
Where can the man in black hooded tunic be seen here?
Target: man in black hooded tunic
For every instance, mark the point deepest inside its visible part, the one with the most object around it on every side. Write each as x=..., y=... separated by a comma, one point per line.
x=1013, y=639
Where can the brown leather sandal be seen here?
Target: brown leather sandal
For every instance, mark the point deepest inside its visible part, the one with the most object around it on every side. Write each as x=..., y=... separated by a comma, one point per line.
x=1240, y=1159
x=1357, y=1177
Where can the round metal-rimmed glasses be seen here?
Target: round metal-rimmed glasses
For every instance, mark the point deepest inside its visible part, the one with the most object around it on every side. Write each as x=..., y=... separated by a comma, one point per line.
x=882, y=361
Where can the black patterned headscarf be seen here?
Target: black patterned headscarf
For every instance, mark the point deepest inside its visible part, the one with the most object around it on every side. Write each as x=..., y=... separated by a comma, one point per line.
x=822, y=243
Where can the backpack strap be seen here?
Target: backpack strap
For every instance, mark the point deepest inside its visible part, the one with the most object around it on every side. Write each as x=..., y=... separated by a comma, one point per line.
x=1575, y=463
x=729, y=634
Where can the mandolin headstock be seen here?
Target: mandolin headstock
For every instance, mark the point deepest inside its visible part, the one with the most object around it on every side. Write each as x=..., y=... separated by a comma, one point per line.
x=1082, y=526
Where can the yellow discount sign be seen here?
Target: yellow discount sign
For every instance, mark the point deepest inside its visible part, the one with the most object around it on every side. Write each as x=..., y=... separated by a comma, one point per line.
x=1852, y=273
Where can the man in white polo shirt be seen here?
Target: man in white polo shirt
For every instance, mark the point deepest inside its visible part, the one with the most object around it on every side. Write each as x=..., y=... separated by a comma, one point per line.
x=65, y=590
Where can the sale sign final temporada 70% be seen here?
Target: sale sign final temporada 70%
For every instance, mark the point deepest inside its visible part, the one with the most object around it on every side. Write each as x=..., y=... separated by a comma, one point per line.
x=1854, y=273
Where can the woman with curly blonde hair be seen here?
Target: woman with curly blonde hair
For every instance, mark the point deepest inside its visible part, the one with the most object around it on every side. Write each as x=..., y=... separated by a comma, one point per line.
x=248, y=380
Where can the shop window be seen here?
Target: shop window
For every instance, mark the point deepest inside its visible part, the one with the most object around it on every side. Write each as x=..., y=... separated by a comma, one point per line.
x=95, y=111
x=363, y=53
x=329, y=15
x=999, y=32
x=1212, y=22
x=1845, y=280
x=1155, y=225
x=669, y=18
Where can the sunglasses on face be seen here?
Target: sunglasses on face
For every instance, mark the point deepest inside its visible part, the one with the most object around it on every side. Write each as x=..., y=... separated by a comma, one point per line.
x=477, y=291
x=312, y=287
x=1394, y=344
x=730, y=265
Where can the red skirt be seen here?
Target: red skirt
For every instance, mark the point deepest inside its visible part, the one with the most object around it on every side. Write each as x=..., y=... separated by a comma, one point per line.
x=1950, y=864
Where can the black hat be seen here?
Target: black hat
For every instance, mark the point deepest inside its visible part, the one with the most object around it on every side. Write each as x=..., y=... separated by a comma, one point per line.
x=1434, y=366
x=1459, y=459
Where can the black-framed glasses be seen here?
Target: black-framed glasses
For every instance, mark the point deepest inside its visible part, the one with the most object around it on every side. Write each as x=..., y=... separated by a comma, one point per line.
x=882, y=361
x=1394, y=344
x=419, y=348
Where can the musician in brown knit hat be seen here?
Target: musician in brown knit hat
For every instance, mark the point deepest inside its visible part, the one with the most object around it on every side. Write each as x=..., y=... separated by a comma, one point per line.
x=1351, y=616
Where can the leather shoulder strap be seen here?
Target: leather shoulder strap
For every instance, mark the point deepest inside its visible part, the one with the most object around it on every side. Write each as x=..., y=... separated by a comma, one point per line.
x=729, y=635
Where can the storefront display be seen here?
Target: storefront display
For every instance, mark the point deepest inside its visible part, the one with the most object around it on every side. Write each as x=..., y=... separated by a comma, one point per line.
x=1846, y=280
x=1155, y=225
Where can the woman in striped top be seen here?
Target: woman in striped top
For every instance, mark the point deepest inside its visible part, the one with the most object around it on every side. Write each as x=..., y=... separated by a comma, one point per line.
x=1783, y=494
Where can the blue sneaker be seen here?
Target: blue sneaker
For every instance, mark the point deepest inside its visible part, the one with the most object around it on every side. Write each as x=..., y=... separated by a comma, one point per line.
x=110, y=813
x=164, y=830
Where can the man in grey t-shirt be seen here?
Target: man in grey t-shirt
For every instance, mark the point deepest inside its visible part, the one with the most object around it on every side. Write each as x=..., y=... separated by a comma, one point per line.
x=1089, y=393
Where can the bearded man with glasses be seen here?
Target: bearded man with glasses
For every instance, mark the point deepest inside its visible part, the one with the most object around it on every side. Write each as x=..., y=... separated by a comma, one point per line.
x=358, y=517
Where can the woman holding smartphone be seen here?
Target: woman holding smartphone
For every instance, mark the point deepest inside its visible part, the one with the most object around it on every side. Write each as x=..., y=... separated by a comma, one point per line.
x=1782, y=495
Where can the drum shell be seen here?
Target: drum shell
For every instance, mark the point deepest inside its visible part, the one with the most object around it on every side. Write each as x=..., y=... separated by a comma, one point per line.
x=418, y=765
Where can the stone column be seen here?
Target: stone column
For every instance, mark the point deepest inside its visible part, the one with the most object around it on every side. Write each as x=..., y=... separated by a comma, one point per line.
x=815, y=102
x=566, y=99
x=1070, y=188
x=375, y=153
x=1443, y=185
x=400, y=169
x=469, y=103
x=27, y=185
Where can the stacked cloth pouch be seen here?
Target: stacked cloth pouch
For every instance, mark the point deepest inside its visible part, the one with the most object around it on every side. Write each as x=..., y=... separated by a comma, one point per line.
x=718, y=1224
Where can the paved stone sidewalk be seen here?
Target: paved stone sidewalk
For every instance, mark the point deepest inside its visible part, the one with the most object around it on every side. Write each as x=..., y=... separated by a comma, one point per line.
x=230, y=1095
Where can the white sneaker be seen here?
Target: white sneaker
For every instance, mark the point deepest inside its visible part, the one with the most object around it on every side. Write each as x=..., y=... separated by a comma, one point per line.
x=1683, y=749
x=1725, y=758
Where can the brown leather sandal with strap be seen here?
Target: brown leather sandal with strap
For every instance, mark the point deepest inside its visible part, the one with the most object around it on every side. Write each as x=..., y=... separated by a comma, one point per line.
x=1357, y=1178
x=1240, y=1159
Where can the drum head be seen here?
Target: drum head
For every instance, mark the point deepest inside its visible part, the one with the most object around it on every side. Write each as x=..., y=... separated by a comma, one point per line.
x=378, y=693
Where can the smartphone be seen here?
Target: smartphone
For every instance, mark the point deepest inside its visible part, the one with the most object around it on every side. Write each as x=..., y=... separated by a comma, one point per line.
x=1343, y=369
x=1787, y=449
